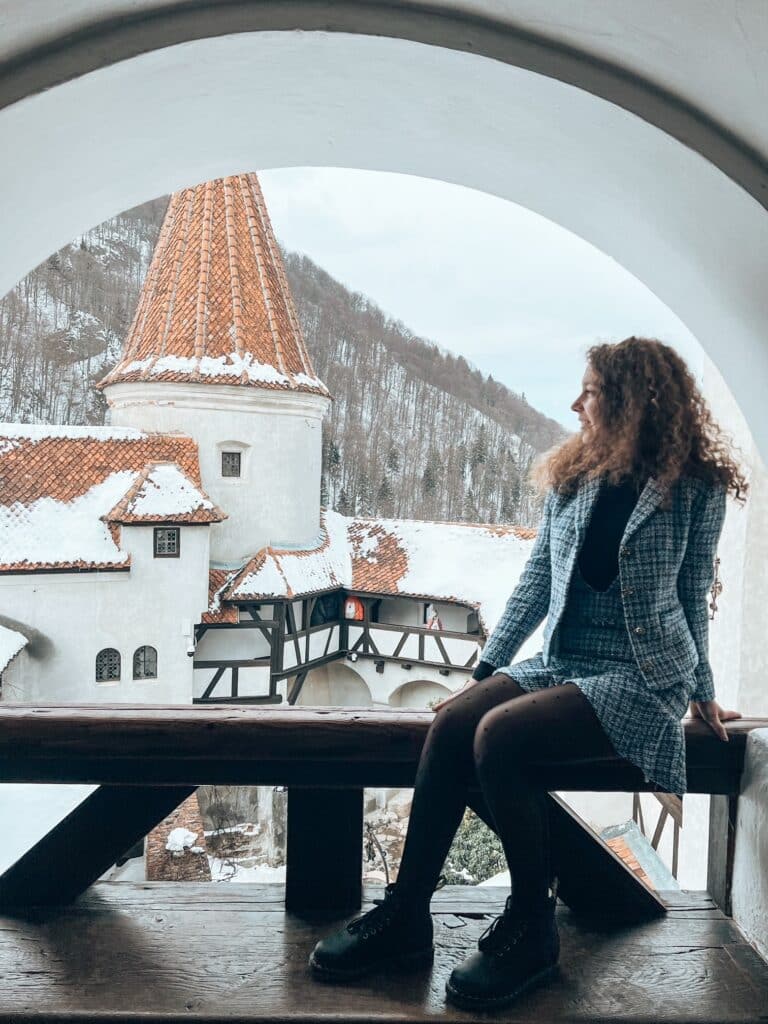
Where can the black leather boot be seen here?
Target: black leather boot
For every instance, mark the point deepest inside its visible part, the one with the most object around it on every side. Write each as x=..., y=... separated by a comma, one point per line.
x=392, y=934
x=518, y=950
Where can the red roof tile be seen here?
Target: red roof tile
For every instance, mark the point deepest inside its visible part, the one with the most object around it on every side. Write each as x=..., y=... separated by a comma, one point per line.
x=216, y=307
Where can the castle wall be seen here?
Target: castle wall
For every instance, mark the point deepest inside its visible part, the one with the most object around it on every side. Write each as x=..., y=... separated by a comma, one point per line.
x=75, y=615
x=276, y=500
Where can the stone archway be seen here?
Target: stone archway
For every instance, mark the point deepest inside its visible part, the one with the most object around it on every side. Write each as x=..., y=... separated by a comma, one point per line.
x=544, y=118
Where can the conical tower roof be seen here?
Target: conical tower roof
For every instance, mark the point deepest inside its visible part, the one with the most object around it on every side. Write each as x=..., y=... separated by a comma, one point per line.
x=216, y=307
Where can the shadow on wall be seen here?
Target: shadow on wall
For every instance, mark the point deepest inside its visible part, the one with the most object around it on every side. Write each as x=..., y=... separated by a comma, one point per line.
x=335, y=685
x=417, y=693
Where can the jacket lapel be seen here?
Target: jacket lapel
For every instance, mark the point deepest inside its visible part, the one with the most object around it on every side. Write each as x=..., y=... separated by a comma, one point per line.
x=586, y=496
x=649, y=500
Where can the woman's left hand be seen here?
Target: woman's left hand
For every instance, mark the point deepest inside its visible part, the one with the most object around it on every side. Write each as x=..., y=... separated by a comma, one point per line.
x=714, y=716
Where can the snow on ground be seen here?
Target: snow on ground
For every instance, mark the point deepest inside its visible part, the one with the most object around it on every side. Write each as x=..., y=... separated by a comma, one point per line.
x=232, y=871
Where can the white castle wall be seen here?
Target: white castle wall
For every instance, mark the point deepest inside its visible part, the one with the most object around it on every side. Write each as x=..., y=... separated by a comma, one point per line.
x=276, y=500
x=75, y=615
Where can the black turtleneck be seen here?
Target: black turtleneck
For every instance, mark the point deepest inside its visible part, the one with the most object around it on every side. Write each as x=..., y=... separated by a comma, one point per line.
x=599, y=554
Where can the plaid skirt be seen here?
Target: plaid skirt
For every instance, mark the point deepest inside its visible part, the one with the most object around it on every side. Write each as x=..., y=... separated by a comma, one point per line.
x=594, y=652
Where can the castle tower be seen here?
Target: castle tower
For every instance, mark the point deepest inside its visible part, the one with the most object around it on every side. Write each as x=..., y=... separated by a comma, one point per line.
x=215, y=351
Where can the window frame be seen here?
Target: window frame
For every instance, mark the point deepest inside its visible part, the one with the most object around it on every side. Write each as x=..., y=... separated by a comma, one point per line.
x=136, y=653
x=233, y=452
x=109, y=679
x=166, y=554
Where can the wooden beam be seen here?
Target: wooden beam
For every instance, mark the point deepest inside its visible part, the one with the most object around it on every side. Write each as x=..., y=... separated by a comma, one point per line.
x=591, y=876
x=212, y=685
x=296, y=688
x=103, y=743
x=87, y=843
x=324, y=854
x=722, y=848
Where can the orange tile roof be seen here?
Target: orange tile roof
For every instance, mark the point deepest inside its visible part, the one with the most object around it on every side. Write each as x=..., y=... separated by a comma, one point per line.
x=293, y=573
x=54, y=468
x=216, y=307
x=620, y=847
x=219, y=611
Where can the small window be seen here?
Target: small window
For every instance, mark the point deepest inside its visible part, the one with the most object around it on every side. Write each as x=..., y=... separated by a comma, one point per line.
x=167, y=541
x=230, y=463
x=145, y=663
x=108, y=665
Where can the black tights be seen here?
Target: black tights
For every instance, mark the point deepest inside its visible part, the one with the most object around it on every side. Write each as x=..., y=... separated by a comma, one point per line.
x=503, y=738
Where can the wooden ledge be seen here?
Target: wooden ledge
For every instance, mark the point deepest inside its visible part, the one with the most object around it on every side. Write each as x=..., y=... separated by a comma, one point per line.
x=297, y=746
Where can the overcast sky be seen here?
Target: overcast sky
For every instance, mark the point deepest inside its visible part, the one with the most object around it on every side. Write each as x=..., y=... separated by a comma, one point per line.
x=515, y=294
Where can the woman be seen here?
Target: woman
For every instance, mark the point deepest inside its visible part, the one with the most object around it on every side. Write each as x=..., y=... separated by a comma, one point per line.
x=621, y=567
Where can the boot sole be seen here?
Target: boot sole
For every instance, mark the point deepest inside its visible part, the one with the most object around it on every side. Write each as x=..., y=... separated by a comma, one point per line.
x=467, y=1002
x=401, y=962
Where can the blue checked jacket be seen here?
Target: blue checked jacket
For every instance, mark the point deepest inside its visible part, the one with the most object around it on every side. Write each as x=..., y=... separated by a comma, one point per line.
x=666, y=569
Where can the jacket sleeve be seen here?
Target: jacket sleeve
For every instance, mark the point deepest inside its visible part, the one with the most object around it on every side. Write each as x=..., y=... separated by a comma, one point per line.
x=694, y=580
x=529, y=601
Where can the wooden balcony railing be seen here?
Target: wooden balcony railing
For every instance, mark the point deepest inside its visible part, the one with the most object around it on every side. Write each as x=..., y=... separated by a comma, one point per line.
x=146, y=760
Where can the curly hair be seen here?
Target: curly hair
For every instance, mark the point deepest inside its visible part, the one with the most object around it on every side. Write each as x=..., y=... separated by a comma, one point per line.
x=652, y=421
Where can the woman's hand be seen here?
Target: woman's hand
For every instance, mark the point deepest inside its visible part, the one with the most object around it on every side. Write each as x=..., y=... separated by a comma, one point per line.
x=714, y=716
x=452, y=696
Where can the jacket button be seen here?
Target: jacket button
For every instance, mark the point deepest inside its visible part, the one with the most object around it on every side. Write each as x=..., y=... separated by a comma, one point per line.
x=640, y=630
x=625, y=552
x=646, y=665
x=627, y=591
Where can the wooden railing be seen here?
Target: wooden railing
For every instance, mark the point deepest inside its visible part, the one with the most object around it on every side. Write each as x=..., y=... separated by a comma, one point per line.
x=146, y=760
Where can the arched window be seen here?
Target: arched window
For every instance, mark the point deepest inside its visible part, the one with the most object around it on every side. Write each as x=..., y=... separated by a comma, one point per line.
x=108, y=665
x=145, y=663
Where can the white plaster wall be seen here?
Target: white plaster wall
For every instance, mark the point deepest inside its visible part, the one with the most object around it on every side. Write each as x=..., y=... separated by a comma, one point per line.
x=407, y=612
x=750, y=870
x=276, y=499
x=124, y=133
x=335, y=685
x=418, y=694
x=738, y=651
x=78, y=614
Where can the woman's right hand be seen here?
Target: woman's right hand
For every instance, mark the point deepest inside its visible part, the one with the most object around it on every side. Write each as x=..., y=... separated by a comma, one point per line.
x=452, y=696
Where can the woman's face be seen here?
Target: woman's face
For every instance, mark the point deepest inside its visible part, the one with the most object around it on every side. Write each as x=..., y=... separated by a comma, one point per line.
x=586, y=405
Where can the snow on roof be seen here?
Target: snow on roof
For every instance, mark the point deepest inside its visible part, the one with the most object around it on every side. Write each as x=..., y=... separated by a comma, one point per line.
x=286, y=572
x=11, y=643
x=57, y=484
x=218, y=580
x=216, y=307
x=471, y=564
x=164, y=493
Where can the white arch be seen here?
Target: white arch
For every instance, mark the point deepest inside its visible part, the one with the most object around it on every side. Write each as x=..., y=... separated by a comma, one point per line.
x=417, y=693
x=95, y=145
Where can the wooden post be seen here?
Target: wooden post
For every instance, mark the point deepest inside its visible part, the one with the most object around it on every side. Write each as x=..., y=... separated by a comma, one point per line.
x=722, y=846
x=324, y=855
x=88, y=841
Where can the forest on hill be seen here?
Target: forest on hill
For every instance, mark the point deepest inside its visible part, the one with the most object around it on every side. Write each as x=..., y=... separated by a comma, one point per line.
x=414, y=431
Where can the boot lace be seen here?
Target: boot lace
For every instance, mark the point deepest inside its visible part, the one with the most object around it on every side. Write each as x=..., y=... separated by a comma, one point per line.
x=503, y=933
x=375, y=920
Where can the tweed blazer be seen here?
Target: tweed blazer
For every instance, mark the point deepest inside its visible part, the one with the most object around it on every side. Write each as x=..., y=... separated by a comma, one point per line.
x=666, y=569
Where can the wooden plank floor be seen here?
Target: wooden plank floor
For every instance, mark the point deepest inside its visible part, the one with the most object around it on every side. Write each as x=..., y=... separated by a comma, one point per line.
x=229, y=953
